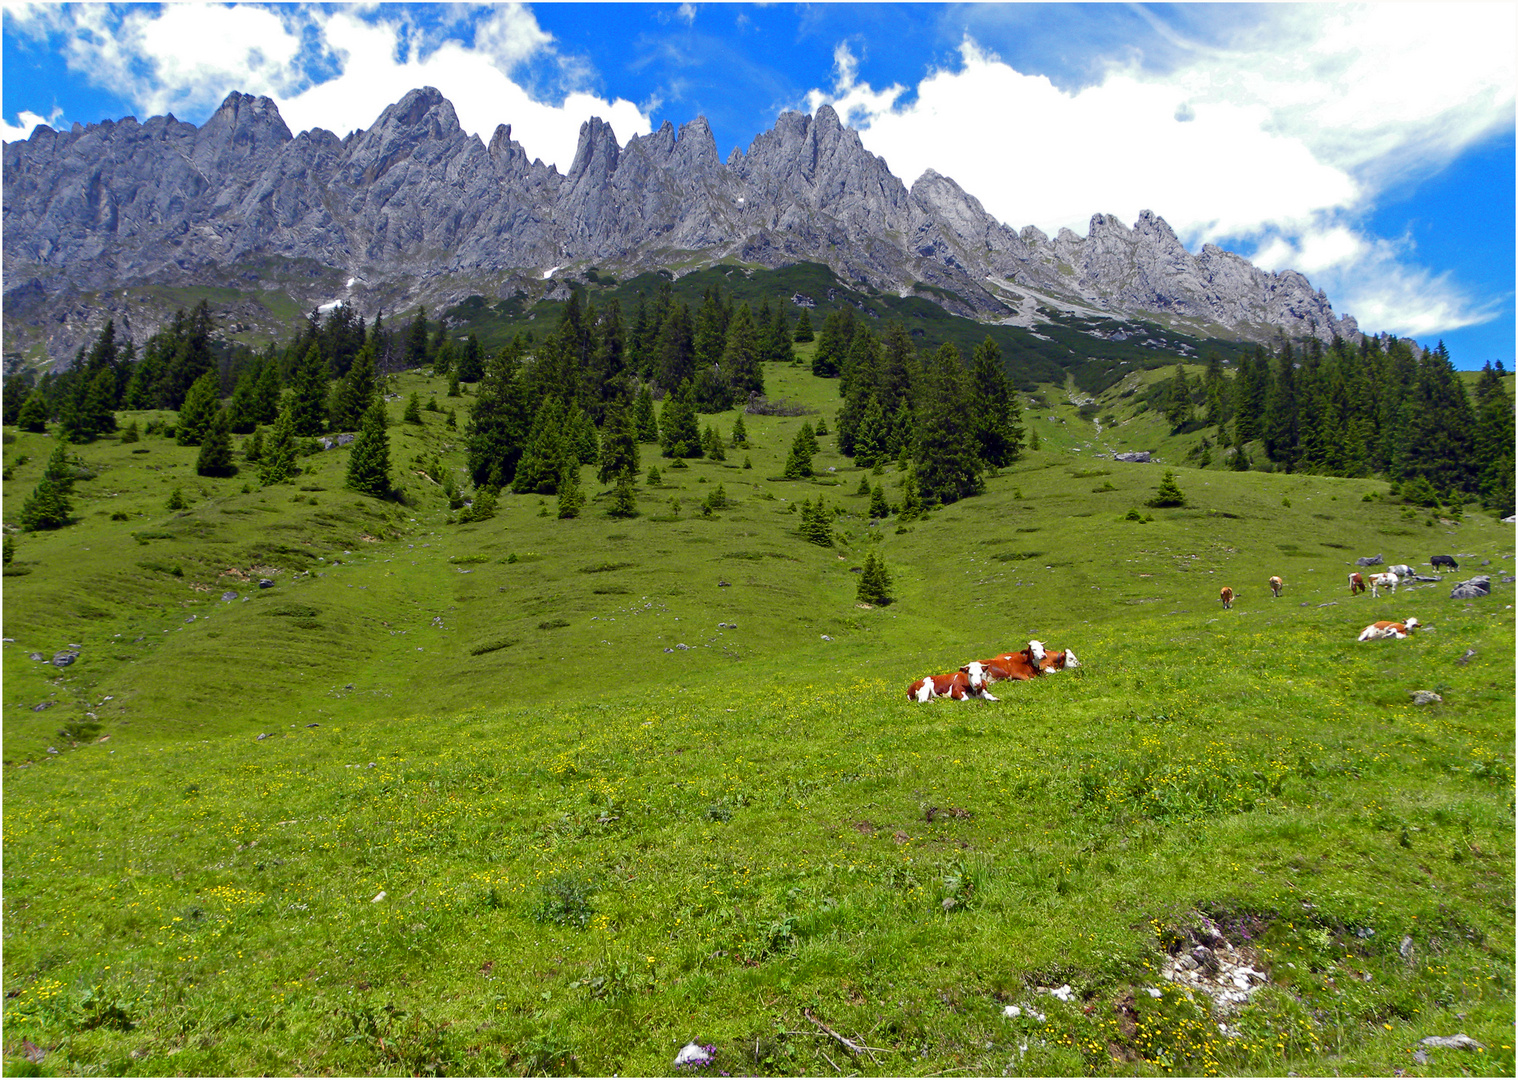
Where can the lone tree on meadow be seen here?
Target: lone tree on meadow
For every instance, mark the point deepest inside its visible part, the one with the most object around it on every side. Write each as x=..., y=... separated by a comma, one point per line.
x=1169, y=493
x=874, y=581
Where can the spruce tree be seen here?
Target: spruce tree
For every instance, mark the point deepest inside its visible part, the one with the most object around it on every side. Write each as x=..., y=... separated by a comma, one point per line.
x=679, y=433
x=216, y=448
x=997, y=416
x=571, y=497
x=643, y=416
x=548, y=451
x=176, y=501
x=803, y=328
x=498, y=426
x=355, y=391
x=740, y=434
x=874, y=581
x=879, y=508
x=798, y=463
x=34, y=411
x=308, y=412
x=1494, y=440
x=413, y=413
x=278, y=463
x=948, y=466
x=48, y=506
x=619, y=443
x=817, y=523
x=741, y=355
x=471, y=365
x=624, y=497
x=1169, y=493
x=200, y=407
x=369, y=461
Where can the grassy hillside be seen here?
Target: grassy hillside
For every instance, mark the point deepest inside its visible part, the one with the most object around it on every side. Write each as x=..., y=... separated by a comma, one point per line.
x=454, y=799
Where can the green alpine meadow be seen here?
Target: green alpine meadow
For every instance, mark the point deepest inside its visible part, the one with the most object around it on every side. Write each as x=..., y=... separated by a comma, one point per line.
x=440, y=700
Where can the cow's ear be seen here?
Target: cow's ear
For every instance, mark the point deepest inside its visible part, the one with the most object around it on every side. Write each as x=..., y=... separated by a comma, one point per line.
x=966, y=669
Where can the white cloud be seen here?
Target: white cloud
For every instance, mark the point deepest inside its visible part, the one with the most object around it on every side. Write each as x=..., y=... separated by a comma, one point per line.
x=29, y=121
x=1285, y=136
x=338, y=68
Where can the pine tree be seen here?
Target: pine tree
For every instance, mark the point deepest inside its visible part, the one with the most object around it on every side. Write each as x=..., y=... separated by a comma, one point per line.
x=879, y=508
x=369, y=461
x=471, y=366
x=200, y=407
x=619, y=444
x=997, y=415
x=496, y=434
x=911, y=499
x=803, y=327
x=874, y=581
x=266, y=393
x=571, y=497
x=1169, y=493
x=643, y=415
x=547, y=452
x=355, y=392
x=48, y=506
x=176, y=501
x=740, y=434
x=798, y=463
x=741, y=355
x=711, y=442
x=33, y=416
x=679, y=433
x=1178, y=407
x=413, y=413
x=216, y=448
x=817, y=523
x=833, y=345
x=1494, y=440
x=253, y=448
x=308, y=411
x=278, y=464
x=624, y=497
x=948, y=467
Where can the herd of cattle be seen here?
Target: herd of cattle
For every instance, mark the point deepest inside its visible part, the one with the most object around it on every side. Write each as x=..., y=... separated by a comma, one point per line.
x=1358, y=583
x=973, y=679
x=1034, y=661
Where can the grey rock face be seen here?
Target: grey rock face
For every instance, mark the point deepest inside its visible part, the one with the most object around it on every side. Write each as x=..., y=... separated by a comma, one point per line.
x=413, y=203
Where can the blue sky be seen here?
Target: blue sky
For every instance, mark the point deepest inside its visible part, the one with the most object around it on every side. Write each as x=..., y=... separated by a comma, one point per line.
x=1371, y=147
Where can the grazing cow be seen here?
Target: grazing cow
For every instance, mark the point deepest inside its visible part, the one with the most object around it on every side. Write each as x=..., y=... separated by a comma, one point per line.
x=1060, y=661
x=1021, y=666
x=1356, y=583
x=1444, y=560
x=1402, y=570
x=1382, y=581
x=1276, y=585
x=1226, y=595
x=1397, y=630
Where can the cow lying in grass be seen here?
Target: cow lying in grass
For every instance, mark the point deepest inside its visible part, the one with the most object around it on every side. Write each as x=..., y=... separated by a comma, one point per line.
x=957, y=686
x=1019, y=666
x=1060, y=661
x=1397, y=630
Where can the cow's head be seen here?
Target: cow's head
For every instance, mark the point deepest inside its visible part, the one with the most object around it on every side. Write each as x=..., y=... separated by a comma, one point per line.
x=1036, y=652
x=1411, y=624
x=1070, y=660
x=977, y=675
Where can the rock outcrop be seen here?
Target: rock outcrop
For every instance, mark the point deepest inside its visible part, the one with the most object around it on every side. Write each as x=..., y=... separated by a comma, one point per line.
x=415, y=208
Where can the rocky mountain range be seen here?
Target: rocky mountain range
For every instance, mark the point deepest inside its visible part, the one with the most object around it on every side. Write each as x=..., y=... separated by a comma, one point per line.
x=100, y=219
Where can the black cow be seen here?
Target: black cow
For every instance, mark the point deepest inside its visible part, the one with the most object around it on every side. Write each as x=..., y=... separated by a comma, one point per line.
x=1444, y=560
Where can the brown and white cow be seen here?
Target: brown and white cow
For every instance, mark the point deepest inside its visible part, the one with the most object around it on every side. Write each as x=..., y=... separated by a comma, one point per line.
x=1356, y=584
x=1382, y=581
x=956, y=686
x=1226, y=595
x=1018, y=666
x=1276, y=585
x=1384, y=629
x=1060, y=661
